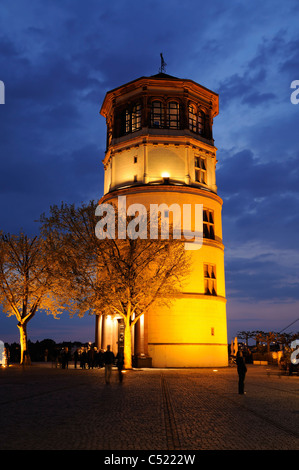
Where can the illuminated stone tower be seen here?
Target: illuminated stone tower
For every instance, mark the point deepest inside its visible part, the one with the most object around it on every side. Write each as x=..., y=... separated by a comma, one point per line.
x=160, y=149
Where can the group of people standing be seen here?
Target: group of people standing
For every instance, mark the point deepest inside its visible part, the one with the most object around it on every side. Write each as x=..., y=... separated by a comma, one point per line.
x=91, y=358
x=88, y=358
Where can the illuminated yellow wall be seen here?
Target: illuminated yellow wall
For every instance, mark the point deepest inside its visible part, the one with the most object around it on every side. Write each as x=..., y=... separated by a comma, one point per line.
x=140, y=163
x=192, y=332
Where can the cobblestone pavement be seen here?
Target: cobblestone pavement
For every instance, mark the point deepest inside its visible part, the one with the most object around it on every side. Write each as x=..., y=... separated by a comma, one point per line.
x=44, y=408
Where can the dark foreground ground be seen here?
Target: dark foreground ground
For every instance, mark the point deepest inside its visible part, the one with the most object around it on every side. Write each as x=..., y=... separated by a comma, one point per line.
x=45, y=408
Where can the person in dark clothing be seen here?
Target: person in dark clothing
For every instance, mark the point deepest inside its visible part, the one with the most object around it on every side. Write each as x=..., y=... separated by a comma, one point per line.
x=242, y=369
x=65, y=359
x=108, y=361
x=120, y=365
x=90, y=358
x=100, y=358
x=83, y=359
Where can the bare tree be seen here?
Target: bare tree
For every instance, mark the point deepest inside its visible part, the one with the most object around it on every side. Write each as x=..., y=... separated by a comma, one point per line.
x=137, y=275
x=246, y=335
x=26, y=283
x=117, y=276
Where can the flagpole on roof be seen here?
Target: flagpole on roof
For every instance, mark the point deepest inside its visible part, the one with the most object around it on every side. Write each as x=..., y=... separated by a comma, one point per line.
x=163, y=64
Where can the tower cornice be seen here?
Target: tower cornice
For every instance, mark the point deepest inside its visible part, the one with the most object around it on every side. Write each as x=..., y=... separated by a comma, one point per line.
x=166, y=138
x=152, y=188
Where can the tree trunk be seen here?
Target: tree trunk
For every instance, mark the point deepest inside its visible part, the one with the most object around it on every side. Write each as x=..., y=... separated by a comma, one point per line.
x=128, y=345
x=25, y=358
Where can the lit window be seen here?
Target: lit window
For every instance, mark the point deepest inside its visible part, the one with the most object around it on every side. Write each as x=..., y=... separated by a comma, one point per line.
x=173, y=115
x=208, y=224
x=136, y=118
x=128, y=121
x=210, y=279
x=157, y=118
x=200, y=170
x=132, y=119
x=196, y=120
x=200, y=122
x=192, y=119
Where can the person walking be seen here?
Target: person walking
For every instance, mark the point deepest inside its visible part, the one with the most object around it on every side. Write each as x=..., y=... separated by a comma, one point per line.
x=242, y=369
x=108, y=361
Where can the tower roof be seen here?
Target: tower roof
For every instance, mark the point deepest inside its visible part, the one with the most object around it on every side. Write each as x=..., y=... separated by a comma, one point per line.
x=157, y=79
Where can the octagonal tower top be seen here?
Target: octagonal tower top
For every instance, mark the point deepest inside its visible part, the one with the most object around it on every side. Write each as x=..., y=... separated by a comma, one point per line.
x=158, y=104
x=156, y=126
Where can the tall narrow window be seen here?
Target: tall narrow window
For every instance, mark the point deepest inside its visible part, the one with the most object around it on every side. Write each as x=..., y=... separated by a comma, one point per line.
x=128, y=121
x=208, y=224
x=136, y=118
x=131, y=119
x=173, y=115
x=192, y=118
x=200, y=170
x=157, y=117
x=210, y=279
x=196, y=119
x=200, y=123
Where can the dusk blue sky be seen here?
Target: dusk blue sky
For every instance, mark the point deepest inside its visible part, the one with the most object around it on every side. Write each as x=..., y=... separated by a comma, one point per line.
x=57, y=61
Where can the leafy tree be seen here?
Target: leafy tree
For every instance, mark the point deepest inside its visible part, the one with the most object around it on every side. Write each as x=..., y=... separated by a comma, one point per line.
x=124, y=276
x=26, y=283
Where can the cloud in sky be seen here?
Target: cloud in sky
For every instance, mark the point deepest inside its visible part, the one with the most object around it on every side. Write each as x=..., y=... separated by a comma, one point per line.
x=58, y=59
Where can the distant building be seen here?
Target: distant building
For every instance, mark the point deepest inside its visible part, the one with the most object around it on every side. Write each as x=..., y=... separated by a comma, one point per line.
x=160, y=149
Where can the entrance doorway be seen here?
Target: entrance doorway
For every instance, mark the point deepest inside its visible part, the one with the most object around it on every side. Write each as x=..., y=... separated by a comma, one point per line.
x=121, y=335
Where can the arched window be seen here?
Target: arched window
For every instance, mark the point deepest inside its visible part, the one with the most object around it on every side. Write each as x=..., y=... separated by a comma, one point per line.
x=157, y=114
x=173, y=115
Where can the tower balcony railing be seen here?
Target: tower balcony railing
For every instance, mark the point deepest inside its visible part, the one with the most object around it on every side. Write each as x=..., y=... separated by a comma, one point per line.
x=160, y=132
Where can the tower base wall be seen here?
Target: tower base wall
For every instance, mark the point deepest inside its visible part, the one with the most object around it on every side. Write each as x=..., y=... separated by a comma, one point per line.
x=191, y=332
x=177, y=355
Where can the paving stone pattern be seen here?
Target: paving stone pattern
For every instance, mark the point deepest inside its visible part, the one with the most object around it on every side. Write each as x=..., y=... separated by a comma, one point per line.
x=45, y=408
